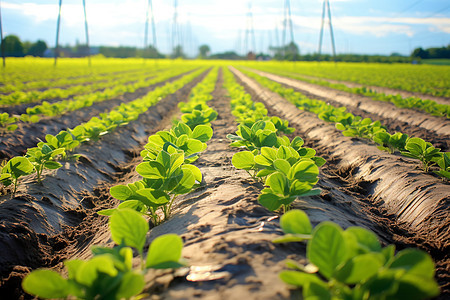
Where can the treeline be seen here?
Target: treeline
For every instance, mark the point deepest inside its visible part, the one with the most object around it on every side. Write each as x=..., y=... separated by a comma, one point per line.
x=13, y=46
x=432, y=53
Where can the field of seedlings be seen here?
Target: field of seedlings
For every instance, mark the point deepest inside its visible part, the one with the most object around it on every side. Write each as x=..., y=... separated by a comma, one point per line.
x=183, y=179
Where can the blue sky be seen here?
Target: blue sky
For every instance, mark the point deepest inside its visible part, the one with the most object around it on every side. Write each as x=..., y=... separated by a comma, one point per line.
x=360, y=26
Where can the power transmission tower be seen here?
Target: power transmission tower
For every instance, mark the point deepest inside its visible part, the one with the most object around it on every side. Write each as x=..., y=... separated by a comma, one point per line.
x=87, y=33
x=326, y=6
x=57, y=32
x=249, y=31
x=287, y=22
x=1, y=37
x=175, y=33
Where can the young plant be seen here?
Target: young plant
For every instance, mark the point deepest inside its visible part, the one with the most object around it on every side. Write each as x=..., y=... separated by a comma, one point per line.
x=358, y=127
x=42, y=157
x=62, y=140
x=110, y=273
x=163, y=179
x=444, y=165
x=390, y=142
x=423, y=151
x=199, y=117
x=180, y=137
x=261, y=134
x=7, y=122
x=15, y=168
x=288, y=183
x=351, y=264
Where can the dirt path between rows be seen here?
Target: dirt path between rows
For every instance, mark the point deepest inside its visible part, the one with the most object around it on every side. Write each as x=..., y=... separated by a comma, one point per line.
x=380, y=89
x=45, y=224
x=412, y=206
x=387, y=110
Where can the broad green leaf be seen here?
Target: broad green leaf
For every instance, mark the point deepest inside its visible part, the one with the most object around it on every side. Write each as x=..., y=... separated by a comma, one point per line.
x=152, y=197
x=412, y=287
x=89, y=270
x=277, y=183
x=359, y=268
x=52, y=165
x=299, y=279
x=270, y=201
x=243, y=160
x=327, y=248
x=416, y=146
x=186, y=183
x=151, y=170
x=18, y=166
x=165, y=252
x=316, y=291
x=195, y=171
x=45, y=284
x=282, y=165
x=202, y=133
x=121, y=192
x=130, y=285
x=296, y=222
x=414, y=262
x=367, y=241
x=129, y=227
x=305, y=170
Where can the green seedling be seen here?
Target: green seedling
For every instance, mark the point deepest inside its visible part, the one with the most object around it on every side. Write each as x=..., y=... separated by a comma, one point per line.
x=163, y=179
x=110, y=273
x=288, y=183
x=261, y=134
x=357, y=127
x=62, y=140
x=181, y=137
x=444, y=165
x=282, y=125
x=423, y=151
x=42, y=157
x=199, y=117
x=7, y=122
x=351, y=264
x=390, y=143
x=15, y=168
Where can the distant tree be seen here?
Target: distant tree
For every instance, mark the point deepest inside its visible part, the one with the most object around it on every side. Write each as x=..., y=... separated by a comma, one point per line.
x=226, y=55
x=178, y=52
x=37, y=49
x=419, y=52
x=13, y=46
x=150, y=52
x=204, y=51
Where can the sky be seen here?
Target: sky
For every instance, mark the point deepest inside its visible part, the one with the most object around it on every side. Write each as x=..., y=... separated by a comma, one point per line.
x=359, y=26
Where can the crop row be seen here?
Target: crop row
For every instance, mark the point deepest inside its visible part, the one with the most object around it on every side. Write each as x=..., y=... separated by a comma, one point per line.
x=61, y=93
x=425, y=79
x=81, y=101
x=45, y=154
x=348, y=264
x=26, y=71
x=355, y=126
x=429, y=106
x=20, y=86
x=166, y=171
